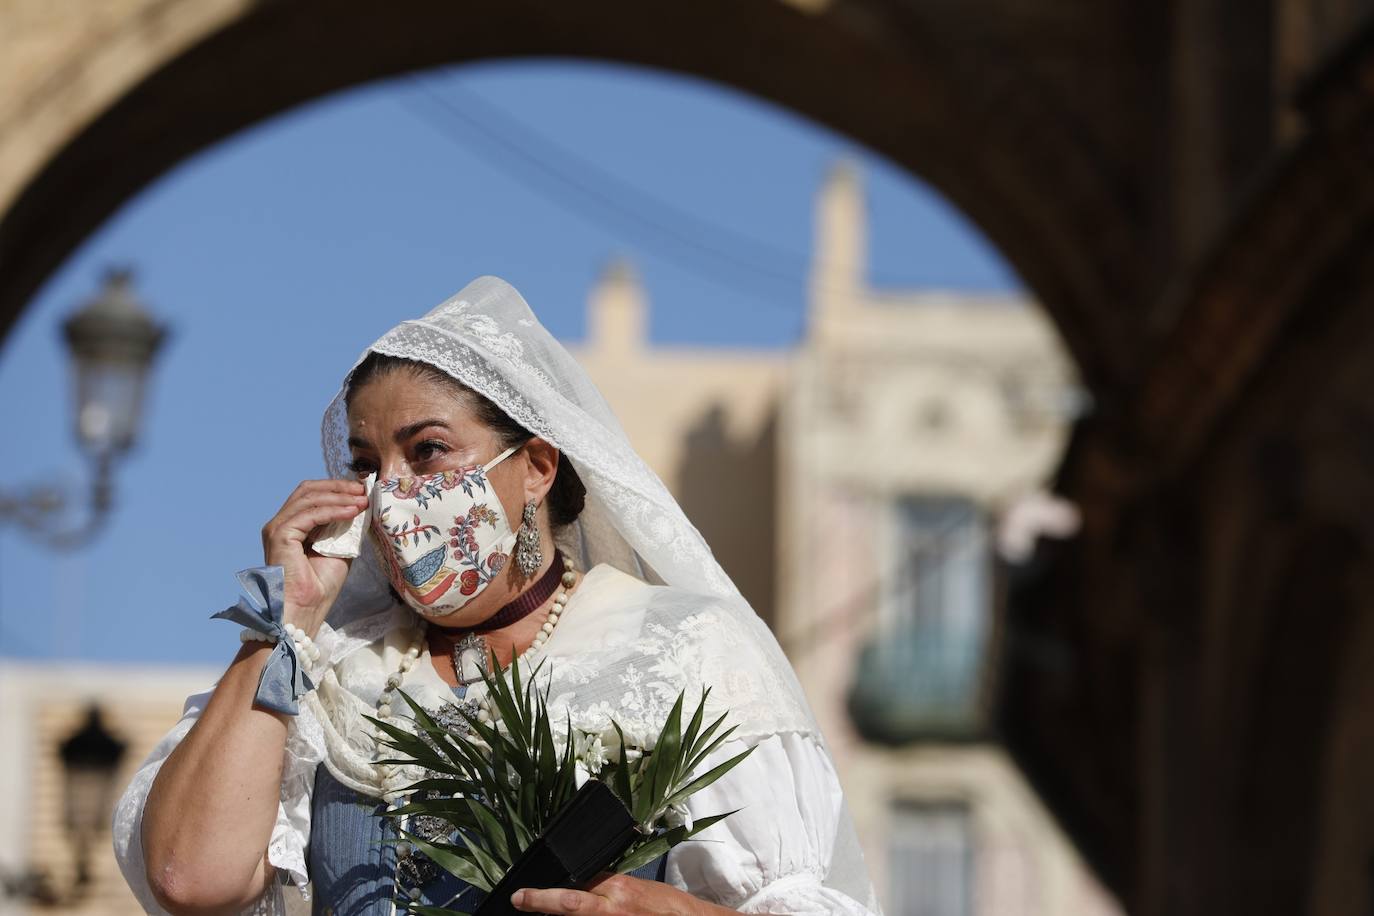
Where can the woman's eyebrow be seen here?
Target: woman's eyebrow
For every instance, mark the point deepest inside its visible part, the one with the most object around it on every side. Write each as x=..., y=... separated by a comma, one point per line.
x=358, y=442
x=405, y=432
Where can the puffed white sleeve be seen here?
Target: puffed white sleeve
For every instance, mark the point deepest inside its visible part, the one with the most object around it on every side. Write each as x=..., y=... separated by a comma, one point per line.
x=790, y=848
x=290, y=834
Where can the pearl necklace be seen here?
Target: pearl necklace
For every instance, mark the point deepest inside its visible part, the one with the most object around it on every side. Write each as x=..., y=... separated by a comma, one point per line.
x=385, y=702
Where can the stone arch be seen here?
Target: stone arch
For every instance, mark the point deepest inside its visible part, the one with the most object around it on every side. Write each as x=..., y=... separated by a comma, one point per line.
x=182, y=75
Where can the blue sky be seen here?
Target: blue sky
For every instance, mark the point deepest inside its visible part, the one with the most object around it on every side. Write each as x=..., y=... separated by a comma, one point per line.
x=279, y=254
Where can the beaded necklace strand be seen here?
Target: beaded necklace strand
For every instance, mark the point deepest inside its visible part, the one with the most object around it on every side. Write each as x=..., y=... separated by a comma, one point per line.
x=392, y=781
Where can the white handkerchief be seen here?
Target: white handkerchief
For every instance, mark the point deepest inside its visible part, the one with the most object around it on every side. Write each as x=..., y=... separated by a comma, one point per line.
x=345, y=539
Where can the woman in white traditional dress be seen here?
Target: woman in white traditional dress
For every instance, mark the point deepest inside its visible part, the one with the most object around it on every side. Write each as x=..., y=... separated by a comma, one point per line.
x=509, y=514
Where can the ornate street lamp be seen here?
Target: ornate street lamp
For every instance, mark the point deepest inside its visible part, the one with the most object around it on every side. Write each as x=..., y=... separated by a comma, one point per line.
x=112, y=341
x=90, y=763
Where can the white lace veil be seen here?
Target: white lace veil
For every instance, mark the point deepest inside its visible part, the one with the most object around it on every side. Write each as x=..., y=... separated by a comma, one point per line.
x=487, y=338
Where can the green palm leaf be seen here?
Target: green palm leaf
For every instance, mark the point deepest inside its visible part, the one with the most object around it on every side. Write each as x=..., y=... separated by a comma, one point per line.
x=498, y=787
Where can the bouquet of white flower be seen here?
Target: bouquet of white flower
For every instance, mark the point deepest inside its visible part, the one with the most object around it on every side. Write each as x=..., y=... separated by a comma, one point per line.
x=532, y=802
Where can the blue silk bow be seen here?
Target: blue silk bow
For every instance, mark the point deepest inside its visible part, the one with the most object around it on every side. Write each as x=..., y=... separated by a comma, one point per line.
x=282, y=681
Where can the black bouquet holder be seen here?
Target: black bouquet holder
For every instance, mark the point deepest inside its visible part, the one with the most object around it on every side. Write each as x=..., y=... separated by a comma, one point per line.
x=590, y=833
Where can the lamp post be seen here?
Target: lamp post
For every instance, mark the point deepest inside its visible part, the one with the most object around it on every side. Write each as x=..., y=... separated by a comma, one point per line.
x=112, y=341
x=90, y=762
x=90, y=765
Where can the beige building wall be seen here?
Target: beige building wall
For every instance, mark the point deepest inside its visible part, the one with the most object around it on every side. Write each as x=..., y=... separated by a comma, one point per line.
x=702, y=418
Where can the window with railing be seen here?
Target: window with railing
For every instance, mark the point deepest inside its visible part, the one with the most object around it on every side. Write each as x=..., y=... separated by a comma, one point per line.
x=921, y=675
x=930, y=860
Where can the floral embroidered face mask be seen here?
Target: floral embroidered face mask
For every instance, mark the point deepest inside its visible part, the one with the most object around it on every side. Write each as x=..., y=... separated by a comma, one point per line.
x=442, y=537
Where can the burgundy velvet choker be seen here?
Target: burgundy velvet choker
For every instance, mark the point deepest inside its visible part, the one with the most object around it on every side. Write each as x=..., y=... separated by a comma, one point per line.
x=525, y=604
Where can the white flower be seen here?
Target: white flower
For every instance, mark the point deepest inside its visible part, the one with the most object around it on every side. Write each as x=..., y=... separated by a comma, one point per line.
x=610, y=742
x=580, y=774
x=678, y=816
x=590, y=752
x=638, y=737
x=594, y=718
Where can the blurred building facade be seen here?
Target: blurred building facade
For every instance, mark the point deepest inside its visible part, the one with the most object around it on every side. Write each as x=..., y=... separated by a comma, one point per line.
x=912, y=422
x=822, y=478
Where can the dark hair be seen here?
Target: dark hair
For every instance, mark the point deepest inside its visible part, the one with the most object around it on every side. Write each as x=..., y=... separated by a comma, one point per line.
x=566, y=496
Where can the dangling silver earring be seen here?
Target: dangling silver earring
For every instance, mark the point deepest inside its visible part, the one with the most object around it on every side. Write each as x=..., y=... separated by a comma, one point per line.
x=528, y=556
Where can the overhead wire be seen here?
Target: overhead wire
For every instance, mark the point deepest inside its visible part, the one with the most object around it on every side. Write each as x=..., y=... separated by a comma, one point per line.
x=676, y=234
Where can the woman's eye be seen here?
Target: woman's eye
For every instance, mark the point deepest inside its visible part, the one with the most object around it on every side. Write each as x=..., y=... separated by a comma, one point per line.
x=362, y=466
x=428, y=451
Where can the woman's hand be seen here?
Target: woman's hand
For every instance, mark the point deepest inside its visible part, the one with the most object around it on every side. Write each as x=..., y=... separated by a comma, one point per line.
x=312, y=581
x=614, y=895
